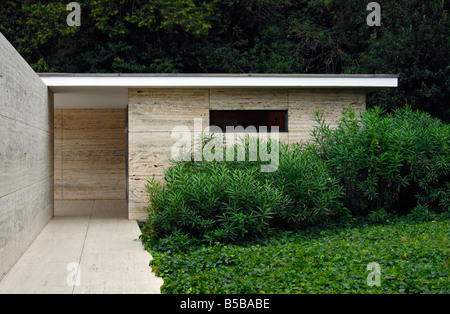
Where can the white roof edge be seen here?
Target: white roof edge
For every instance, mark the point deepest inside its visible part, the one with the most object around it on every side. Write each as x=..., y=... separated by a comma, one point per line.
x=191, y=81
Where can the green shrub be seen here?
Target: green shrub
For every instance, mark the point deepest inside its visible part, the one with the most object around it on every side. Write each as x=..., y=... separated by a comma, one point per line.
x=211, y=203
x=425, y=144
x=388, y=161
x=305, y=179
x=372, y=164
x=421, y=213
x=230, y=201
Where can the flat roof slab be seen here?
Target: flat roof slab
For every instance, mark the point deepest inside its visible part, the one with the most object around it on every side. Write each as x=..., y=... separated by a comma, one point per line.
x=110, y=90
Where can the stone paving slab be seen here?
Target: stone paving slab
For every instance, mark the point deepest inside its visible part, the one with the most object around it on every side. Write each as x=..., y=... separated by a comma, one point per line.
x=89, y=247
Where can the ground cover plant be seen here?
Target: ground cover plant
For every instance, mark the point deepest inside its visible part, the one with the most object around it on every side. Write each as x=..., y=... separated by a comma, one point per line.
x=413, y=258
x=227, y=227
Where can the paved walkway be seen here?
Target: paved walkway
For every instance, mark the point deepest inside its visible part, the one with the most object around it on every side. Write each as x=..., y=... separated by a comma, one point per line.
x=88, y=247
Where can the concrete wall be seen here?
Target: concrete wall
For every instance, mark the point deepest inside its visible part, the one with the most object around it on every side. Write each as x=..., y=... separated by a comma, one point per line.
x=90, y=160
x=26, y=156
x=153, y=113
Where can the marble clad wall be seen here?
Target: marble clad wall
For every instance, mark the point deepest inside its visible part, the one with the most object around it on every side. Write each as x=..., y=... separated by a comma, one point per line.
x=90, y=152
x=26, y=155
x=153, y=113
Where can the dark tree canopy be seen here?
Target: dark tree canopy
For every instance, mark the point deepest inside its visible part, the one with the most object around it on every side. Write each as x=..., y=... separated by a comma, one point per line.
x=244, y=36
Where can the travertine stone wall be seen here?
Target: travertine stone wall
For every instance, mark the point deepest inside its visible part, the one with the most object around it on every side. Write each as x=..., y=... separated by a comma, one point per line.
x=26, y=156
x=332, y=102
x=154, y=113
x=90, y=153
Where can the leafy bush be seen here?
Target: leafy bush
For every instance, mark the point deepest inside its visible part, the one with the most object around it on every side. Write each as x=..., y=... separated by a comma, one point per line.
x=388, y=161
x=211, y=203
x=230, y=201
x=372, y=164
x=425, y=144
x=305, y=179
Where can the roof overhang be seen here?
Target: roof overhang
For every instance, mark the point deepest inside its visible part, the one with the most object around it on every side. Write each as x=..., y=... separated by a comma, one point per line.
x=59, y=81
x=111, y=90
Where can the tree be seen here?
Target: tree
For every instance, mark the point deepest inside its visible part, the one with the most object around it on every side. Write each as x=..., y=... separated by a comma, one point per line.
x=414, y=42
x=244, y=36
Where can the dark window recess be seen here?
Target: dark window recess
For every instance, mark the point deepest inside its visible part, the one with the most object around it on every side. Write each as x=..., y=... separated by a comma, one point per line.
x=246, y=118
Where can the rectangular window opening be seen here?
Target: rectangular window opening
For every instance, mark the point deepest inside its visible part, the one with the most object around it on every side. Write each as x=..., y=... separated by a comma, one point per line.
x=248, y=119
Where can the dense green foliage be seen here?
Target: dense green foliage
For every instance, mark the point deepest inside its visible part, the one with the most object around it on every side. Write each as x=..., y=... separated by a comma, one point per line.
x=388, y=162
x=375, y=188
x=413, y=258
x=213, y=203
x=232, y=201
x=372, y=165
x=313, y=193
x=240, y=36
x=205, y=202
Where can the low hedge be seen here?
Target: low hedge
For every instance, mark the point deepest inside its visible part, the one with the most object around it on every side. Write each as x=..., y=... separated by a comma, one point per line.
x=211, y=203
x=205, y=202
